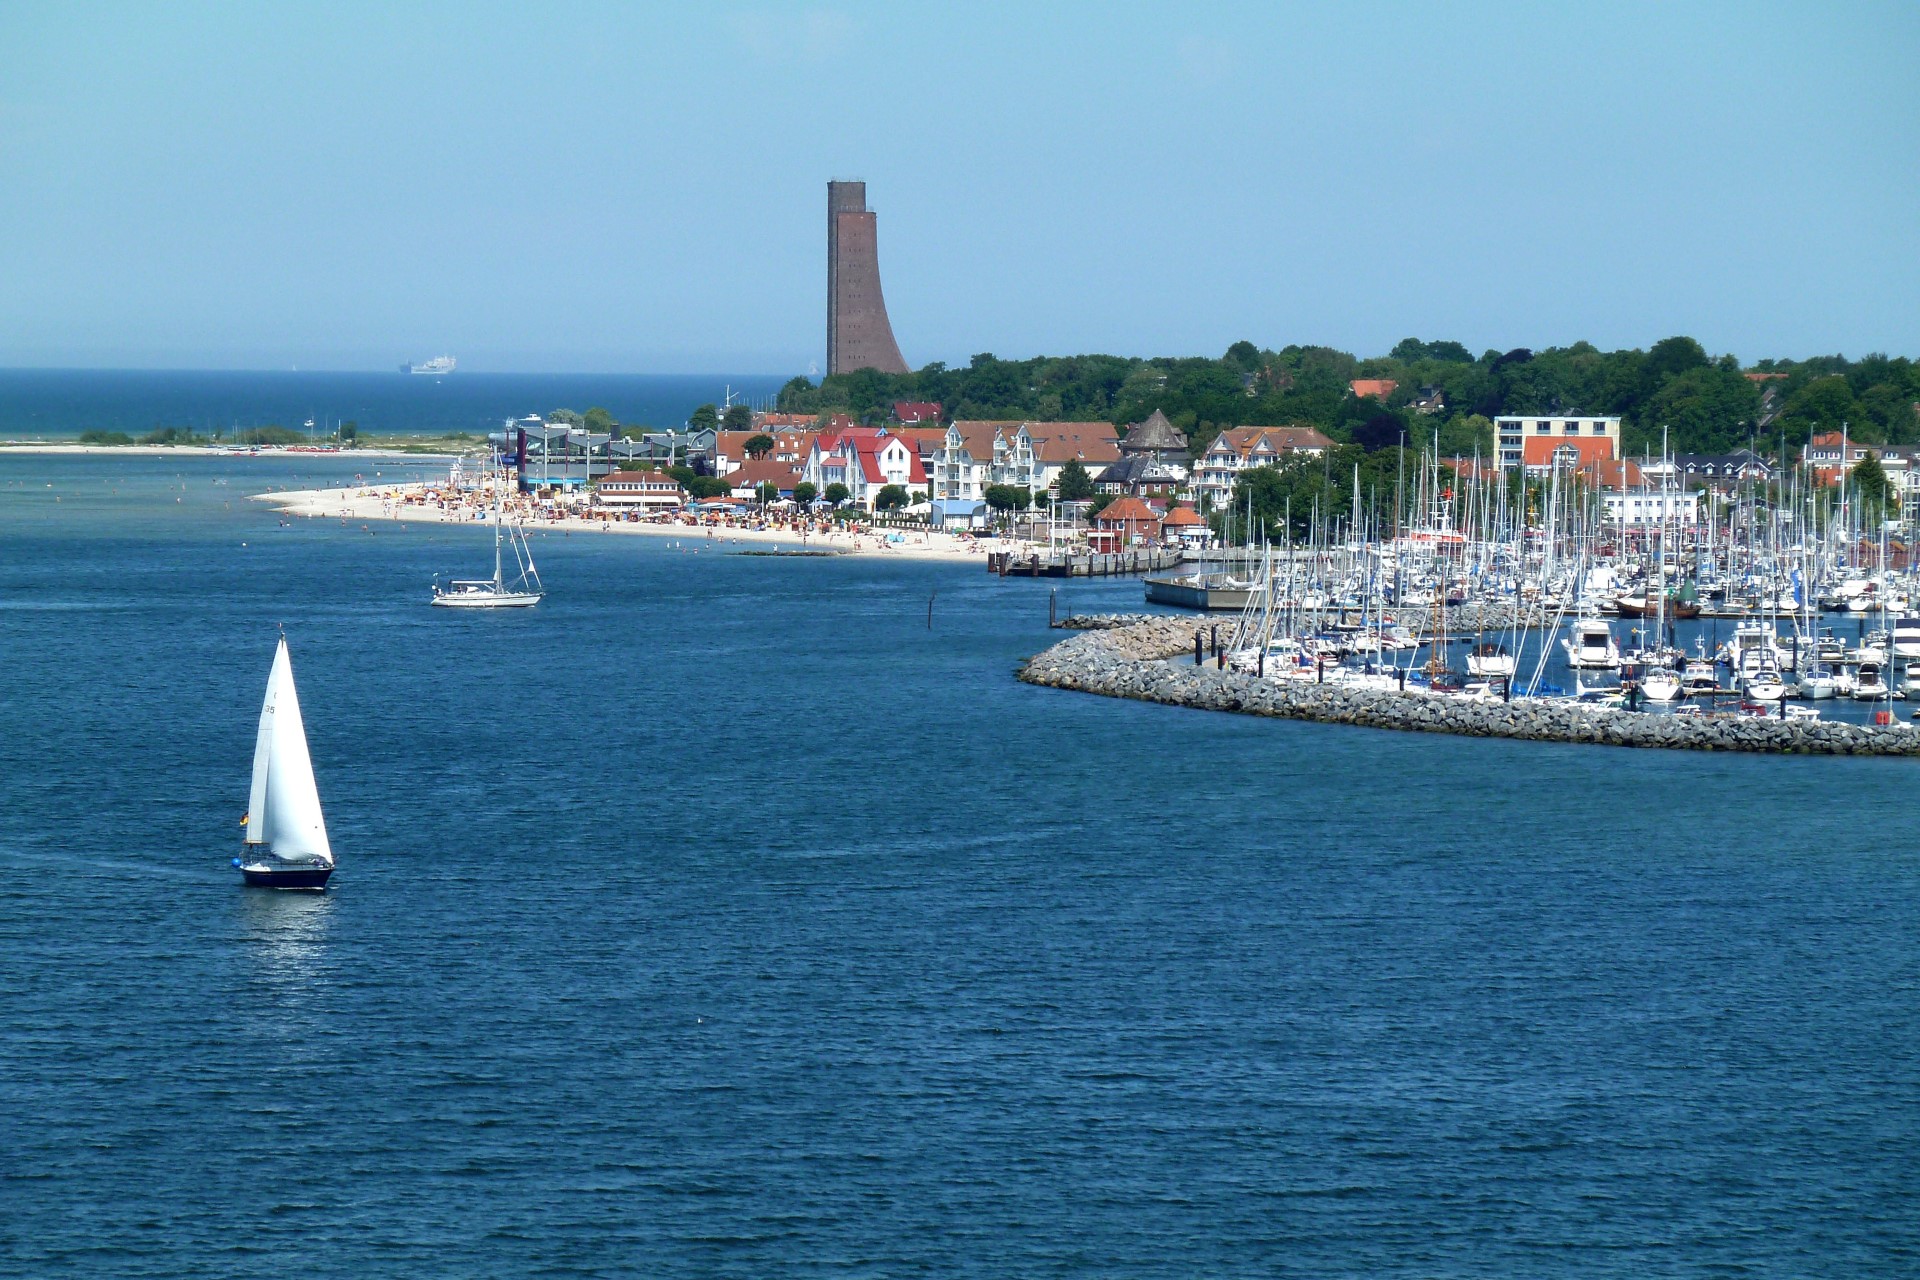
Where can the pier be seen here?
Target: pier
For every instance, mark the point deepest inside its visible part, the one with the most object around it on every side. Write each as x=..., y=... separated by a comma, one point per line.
x=1084, y=564
x=1127, y=656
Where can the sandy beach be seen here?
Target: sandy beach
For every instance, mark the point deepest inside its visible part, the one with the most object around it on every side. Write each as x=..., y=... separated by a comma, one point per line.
x=420, y=502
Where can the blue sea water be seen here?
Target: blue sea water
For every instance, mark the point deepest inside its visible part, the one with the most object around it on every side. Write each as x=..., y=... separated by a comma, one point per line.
x=56, y=403
x=723, y=917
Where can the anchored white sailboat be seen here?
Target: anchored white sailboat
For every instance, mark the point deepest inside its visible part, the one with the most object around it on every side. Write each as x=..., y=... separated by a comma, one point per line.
x=286, y=839
x=495, y=593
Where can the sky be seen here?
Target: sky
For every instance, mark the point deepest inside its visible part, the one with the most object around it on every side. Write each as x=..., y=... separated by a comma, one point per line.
x=641, y=188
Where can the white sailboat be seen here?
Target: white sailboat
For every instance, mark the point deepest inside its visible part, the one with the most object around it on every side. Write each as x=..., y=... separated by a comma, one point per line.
x=286, y=836
x=495, y=593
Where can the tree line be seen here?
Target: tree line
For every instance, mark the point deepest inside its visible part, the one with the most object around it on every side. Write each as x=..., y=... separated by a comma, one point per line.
x=1704, y=403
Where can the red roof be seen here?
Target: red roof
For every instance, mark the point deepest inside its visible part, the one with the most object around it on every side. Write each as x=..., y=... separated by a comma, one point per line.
x=1245, y=440
x=759, y=471
x=1609, y=474
x=1127, y=511
x=1379, y=388
x=1182, y=516
x=1538, y=451
x=916, y=410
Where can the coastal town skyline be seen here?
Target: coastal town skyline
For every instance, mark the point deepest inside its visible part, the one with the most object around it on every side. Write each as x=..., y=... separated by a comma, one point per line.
x=361, y=191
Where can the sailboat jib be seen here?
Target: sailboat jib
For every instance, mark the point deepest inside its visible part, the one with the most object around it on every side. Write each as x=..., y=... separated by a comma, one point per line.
x=263, y=751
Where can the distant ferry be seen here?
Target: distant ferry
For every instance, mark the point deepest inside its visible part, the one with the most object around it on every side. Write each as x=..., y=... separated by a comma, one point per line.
x=437, y=365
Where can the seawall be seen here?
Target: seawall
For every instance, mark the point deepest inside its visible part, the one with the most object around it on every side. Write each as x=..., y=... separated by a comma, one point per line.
x=1124, y=656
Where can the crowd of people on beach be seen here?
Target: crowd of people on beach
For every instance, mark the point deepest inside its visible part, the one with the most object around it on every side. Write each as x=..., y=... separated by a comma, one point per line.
x=838, y=530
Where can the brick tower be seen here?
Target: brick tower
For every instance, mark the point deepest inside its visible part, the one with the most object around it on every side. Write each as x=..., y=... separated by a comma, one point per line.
x=858, y=333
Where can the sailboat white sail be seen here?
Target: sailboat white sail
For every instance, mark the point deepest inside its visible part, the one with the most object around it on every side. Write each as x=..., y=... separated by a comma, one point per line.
x=286, y=835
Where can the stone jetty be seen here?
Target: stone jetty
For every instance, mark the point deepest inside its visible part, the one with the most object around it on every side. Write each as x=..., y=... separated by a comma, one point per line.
x=1126, y=656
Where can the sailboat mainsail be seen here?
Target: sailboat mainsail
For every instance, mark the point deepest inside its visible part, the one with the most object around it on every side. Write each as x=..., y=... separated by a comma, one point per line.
x=283, y=809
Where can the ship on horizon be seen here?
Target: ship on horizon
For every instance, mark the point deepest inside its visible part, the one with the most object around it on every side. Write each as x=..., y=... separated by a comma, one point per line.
x=437, y=365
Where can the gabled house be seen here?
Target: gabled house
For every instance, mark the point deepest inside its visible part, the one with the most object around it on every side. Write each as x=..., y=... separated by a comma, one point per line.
x=747, y=478
x=1093, y=445
x=1141, y=475
x=1124, y=522
x=730, y=447
x=1184, y=526
x=1238, y=448
x=1378, y=388
x=866, y=460
x=909, y=412
x=1723, y=470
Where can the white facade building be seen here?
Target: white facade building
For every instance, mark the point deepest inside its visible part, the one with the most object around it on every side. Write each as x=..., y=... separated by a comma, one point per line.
x=1642, y=508
x=1512, y=432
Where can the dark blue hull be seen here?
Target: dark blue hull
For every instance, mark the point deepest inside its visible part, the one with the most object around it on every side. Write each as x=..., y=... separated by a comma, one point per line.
x=286, y=877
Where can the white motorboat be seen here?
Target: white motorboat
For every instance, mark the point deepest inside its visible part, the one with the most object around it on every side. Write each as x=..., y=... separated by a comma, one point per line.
x=1489, y=661
x=1591, y=646
x=1763, y=684
x=1661, y=684
x=1868, y=686
x=1701, y=675
x=286, y=835
x=1816, y=683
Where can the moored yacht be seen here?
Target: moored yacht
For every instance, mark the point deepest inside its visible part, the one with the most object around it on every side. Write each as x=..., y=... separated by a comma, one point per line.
x=1591, y=646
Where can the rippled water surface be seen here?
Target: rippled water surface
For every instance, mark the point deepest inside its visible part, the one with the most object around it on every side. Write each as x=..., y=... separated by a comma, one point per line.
x=721, y=917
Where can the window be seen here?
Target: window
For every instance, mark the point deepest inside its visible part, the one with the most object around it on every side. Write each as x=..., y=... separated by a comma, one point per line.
x=1542, y=428
x=1599, y=428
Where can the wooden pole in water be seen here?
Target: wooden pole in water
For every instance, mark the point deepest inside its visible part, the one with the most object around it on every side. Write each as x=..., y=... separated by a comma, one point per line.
x=930, y=609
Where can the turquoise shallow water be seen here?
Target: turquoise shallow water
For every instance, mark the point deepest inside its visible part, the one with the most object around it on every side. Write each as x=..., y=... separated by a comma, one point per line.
x=719, y=917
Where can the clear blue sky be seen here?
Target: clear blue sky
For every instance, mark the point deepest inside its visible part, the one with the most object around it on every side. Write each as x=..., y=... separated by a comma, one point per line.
x=642, y=187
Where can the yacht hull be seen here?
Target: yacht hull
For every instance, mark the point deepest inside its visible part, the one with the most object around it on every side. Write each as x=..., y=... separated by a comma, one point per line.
x=260, y=877
x=476, y=600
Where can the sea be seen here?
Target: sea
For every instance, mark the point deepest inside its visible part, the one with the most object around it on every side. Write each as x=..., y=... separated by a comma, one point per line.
x=729, y=915
x=53, y=404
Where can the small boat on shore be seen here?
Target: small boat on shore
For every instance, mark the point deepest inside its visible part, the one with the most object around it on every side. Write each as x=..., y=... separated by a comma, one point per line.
x=286, y=835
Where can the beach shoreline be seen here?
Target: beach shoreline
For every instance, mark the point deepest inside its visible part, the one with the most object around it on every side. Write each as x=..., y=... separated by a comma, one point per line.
x=416, y=502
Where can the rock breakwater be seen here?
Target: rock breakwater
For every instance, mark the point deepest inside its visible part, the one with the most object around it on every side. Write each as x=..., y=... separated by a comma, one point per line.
x=1125, y=656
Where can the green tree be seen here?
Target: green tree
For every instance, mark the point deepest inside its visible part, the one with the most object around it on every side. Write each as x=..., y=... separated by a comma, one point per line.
x=836, y=494
x=889, y=498
x=758, y=446
x=766, y=491
x=565, y=418
x=1075, y=485
x=599, y=421
x=1000, y=497
x=739, y=418
x=349, y=432
x=705, y=418
x=1870, y=480
x=804, y=493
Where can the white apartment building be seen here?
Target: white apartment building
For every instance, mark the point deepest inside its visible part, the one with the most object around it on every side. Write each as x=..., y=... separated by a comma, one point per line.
x=1636, y=508
x=1529, y=439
